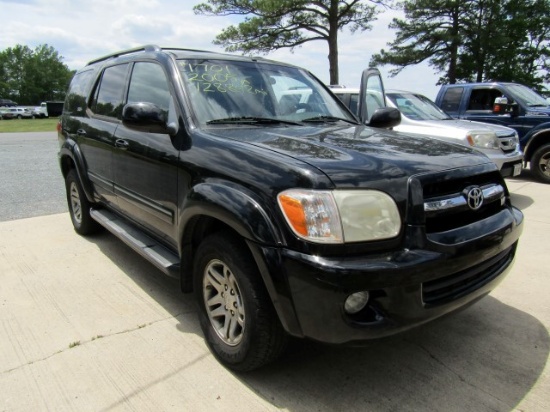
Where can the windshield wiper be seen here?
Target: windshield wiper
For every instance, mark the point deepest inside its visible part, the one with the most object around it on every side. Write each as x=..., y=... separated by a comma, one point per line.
x=536, y=105
x=327, y=119
x=250, y=120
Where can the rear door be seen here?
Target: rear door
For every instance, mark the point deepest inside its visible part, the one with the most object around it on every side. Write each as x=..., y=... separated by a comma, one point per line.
x=94, y=127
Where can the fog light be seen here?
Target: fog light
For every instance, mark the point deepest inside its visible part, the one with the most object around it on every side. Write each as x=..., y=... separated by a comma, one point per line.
x=356, y=301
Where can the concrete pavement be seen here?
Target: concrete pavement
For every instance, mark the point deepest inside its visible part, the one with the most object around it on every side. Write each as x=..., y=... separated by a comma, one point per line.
x=87, y=325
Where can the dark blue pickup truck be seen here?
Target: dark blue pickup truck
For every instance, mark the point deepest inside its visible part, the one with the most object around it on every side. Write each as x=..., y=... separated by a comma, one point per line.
x=508, y=104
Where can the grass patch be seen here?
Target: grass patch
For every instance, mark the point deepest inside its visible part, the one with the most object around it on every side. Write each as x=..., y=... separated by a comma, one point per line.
x=28, y=125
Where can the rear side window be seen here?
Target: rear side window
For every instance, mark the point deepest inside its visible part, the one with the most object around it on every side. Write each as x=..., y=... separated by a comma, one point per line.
x=108, y=96
x=78, y=92
x=451, y=99
x=149, y=84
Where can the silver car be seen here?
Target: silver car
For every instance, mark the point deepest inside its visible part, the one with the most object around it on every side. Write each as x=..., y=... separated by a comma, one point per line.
x=419, y=115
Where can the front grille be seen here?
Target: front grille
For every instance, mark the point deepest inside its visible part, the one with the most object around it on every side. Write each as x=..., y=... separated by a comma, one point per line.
x=446, y=206
x=448, y=288
x=507, y=143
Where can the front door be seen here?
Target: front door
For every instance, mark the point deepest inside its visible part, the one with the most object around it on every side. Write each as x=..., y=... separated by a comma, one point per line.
x=145, y=164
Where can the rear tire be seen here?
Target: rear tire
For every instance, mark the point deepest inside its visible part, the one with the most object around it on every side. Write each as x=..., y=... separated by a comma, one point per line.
x=236, y=314
x=540, y=163
x=79, y=206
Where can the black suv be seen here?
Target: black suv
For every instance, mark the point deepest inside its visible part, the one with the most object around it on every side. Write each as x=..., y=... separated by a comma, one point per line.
x=285, y=214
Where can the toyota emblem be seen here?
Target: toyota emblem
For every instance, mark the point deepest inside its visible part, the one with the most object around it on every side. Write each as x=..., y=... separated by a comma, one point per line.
x=474, y=197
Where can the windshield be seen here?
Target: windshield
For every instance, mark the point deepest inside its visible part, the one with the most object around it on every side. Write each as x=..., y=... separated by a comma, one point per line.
x=417, y=107
x=231, y=92
x=527, y=96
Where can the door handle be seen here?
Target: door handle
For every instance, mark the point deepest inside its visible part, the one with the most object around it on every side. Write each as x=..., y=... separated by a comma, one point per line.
x=81, y=132
x=121, y=144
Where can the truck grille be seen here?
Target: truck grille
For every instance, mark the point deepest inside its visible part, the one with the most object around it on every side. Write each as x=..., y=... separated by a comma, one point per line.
x=447, y=205
x=508, y=143
x=448, y=288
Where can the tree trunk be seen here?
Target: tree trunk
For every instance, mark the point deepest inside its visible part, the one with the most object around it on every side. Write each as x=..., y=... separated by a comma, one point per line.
x=451, y=74
x=333, y=42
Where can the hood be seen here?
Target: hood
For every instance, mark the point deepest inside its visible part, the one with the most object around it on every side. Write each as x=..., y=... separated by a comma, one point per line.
x=450, y=128
x=352, y=155
x=538, y=111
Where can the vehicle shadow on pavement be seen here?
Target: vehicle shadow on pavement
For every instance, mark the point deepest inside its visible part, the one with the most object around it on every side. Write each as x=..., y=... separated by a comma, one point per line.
x=522, y=202
x=485, y=358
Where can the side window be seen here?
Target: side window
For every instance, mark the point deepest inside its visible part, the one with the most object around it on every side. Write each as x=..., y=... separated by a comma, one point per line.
x=109, y=92
x=451, y=99
x=149, y=84
x=483, y=99
x=78, y=92
x=354, y=103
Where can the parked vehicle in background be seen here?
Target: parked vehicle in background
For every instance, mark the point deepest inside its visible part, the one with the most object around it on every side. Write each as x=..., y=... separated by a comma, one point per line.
x=5, y=114
x=421, y=116
x=507, y=104
x=21, y=113
x=7, y=103
x=40, y=111
x=284, y=218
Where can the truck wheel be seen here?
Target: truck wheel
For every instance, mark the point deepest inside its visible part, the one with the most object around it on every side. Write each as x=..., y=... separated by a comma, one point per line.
x=79, y=207
x=236, y=315
x=540, y=163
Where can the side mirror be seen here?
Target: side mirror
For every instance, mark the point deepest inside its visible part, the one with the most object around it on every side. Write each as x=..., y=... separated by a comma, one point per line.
x=147, y=117
x=385, y=118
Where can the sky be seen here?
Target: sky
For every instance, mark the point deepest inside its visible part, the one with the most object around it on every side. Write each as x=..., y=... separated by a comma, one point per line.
x=82, y=30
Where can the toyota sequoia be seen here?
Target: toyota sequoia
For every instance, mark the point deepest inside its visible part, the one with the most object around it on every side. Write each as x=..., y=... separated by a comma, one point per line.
x=284, y=218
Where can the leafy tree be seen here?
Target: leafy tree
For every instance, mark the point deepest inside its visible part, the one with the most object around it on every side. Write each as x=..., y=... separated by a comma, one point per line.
x=277, y=24
x=32, y=76
x=475, y=40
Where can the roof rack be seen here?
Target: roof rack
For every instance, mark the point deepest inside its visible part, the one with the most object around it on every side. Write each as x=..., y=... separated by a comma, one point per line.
x=147, y=48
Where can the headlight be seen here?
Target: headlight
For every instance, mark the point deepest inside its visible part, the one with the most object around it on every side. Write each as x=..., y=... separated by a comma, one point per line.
x=483, y=140
x=340, y=216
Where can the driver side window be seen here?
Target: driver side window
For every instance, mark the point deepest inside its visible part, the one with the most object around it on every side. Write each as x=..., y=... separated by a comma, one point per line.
x=149, y=84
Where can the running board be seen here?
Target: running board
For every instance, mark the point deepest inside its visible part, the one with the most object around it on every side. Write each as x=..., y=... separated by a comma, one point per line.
x=150, y=249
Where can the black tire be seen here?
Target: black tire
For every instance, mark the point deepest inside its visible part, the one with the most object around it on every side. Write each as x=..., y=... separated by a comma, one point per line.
x=240, y=324
x=540, y=163
x=79, y=206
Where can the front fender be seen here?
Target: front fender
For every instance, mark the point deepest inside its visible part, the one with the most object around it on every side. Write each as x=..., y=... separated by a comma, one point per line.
x=235, y=206
x=242, y=210
x=536, y=137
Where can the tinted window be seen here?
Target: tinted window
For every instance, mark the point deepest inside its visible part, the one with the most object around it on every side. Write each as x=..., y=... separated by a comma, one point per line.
x=78, y=92
x=149, y=84
x=108, y=99
x=483, y=99
x=451, y=99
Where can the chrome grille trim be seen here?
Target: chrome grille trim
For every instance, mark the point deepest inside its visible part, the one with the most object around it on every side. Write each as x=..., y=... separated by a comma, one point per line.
x=490, y=193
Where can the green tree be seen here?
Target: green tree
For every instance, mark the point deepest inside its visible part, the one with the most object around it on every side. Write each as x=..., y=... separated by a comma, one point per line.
x=32, y=76
x=475, y=40
x=275, y=24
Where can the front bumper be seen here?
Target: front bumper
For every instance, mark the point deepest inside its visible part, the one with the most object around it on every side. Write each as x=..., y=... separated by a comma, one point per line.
x=407, y=287
x=506, y=161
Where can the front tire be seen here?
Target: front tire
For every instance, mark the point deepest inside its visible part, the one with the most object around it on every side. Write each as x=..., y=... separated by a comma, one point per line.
x=236, y=315
x=79, y=206
x=540, y=163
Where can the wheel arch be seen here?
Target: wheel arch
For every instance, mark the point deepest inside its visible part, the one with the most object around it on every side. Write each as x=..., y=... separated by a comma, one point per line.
x=537, y=139
x=70, y=157
x=215, y=208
